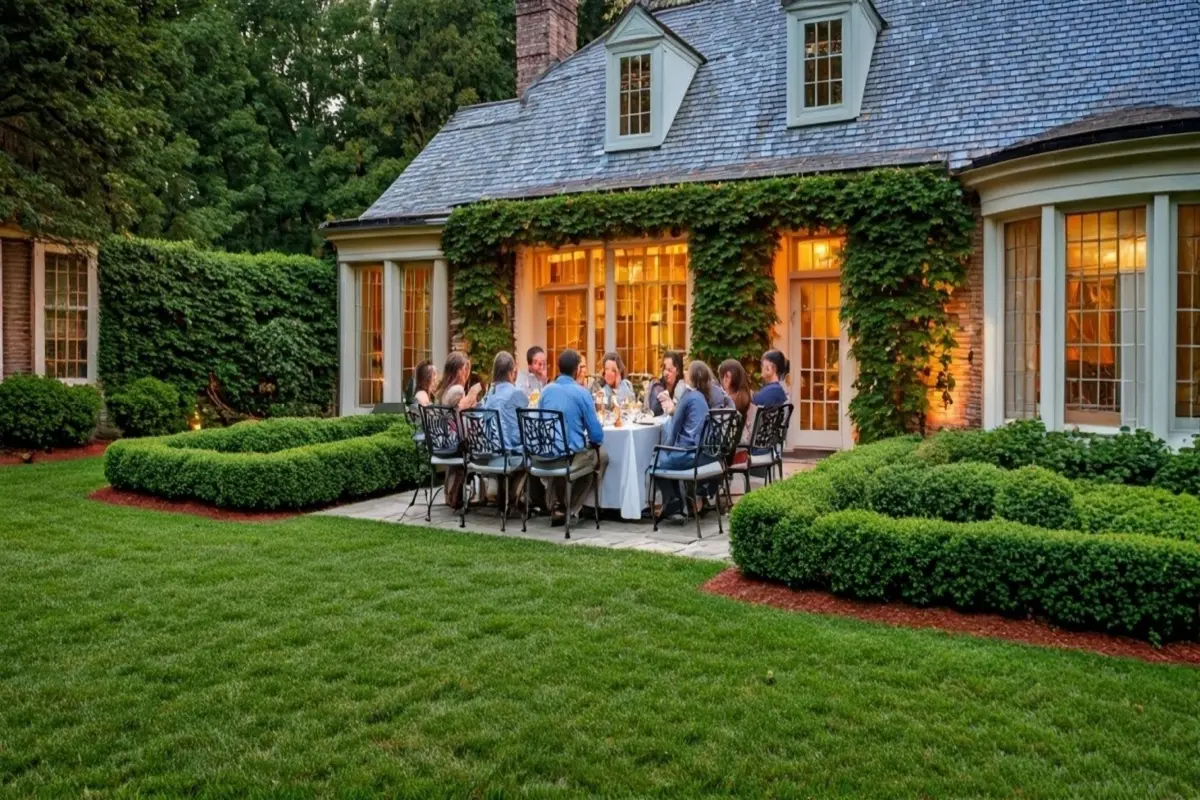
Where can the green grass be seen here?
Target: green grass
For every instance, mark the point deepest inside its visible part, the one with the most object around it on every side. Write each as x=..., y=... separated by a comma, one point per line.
x=159, y=654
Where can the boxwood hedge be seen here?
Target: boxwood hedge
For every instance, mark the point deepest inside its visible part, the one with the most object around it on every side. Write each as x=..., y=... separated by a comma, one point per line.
x=953, y=547
x=276, y=464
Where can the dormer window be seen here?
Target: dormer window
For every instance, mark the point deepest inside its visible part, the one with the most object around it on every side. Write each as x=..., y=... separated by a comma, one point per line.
x=635, y=95
x=830, y=45
x=823, y=63
x=649, y=72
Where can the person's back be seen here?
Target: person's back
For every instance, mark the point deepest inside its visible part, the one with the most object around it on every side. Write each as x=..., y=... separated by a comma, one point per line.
x=687, y=424
x=772, y=394
x=506, y=398
x=578, y=409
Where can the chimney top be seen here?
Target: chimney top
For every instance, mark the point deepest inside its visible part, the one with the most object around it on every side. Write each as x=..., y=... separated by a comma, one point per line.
x=546, y=33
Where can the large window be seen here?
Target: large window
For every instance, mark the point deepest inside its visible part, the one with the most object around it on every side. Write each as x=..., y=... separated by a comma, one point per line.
x=1187, y=319
x=822, y=63
x=1022, y=318
x=369, y=340
x=634, y=116
x=639, y=308
x=66, y=316
x=418, y=325
x=1105, y=317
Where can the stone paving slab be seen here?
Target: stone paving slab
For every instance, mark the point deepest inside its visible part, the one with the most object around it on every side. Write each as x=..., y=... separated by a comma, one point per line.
x=670, y=539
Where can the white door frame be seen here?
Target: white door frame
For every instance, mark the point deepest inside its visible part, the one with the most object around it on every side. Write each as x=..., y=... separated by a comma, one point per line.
x=843, y=438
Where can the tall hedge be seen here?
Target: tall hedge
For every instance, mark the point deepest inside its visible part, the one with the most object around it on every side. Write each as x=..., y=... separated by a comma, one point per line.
x=176, y=312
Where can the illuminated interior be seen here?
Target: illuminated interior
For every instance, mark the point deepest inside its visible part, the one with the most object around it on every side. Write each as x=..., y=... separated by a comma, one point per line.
x=370, y=335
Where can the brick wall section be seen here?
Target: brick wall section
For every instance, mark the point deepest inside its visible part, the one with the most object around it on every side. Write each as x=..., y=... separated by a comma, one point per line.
x=967, y=309
x=16, y=272
x=546, y=34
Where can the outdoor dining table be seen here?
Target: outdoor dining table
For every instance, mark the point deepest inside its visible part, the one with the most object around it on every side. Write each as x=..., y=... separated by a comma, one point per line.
x=630, y=451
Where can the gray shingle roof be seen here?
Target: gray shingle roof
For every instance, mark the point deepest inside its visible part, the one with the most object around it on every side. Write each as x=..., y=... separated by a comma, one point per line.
x=951, y=81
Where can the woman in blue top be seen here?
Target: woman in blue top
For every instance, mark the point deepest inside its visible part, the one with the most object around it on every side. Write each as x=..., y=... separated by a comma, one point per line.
x=775, y=369
x=684, y=429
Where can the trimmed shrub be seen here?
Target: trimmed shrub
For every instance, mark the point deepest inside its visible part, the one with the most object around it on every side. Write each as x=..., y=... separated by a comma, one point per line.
x=282, y=463
x=1181, y=473
x=961, y=492
x=897, y=490
x=1037, y=496
x=40, y=413
x=1104, y=508
x=147, y=407
x=849, y=472
x=1127, y=584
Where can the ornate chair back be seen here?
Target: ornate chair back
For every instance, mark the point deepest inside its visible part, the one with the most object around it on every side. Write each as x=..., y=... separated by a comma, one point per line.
x=481, y=434
x=771, y=427
x=722, y=430
x=440, y=424
x=543, y=434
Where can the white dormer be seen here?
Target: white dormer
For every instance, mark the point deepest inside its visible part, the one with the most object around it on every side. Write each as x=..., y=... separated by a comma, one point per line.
x=830, y=44
x=649, y=72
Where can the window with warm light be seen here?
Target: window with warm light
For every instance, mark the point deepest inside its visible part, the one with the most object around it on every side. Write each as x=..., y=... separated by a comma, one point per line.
x=1187, y=319
x=634, y=116
x=66, y=316
x=1022, y=318
x=369, y=341
x=823, y=63
x=651, y=304
x=561, y=278
x=815, y=266
x=418, y=323
x=1105, y=317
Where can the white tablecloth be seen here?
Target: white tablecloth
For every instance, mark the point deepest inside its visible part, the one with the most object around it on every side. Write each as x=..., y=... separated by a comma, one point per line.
x=630, y=451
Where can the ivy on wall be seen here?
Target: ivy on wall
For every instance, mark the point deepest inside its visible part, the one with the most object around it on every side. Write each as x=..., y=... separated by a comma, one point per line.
x=907, y=238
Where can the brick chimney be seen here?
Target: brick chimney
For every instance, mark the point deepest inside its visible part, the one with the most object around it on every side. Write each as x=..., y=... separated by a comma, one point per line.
x=546, y=31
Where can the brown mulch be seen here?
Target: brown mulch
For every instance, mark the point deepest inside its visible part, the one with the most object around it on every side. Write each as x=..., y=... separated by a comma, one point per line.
x=731, y=583
x=118, y=497
x=10, y=457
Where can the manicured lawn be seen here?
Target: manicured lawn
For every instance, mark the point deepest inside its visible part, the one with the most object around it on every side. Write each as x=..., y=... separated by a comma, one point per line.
x=152, y=653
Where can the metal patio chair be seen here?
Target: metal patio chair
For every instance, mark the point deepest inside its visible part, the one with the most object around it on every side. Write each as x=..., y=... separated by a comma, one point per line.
x=718, y=438
x=484, y=455
x=547, y=454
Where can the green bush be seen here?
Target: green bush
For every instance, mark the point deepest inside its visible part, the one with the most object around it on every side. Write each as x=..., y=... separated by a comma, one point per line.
x=1127, y=584
x=40, y=413
x=849, y=472
x=281, y=463
x=1181, y=473
x=897, y=490
x=960, y=492
x=147, y=407
x=1103, y=508
x=265, y=326
x=1037, y=496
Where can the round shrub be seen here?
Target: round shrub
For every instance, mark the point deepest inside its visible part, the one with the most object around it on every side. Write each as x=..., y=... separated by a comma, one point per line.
x=1037, y=496
x=147, y=407
x=964, y=492
x=1181, y=473
x=897, y=490
x=39, y=413
x=1138, y=509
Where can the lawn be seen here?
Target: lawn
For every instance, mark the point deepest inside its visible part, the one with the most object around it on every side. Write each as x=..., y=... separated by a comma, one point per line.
x=154, y=653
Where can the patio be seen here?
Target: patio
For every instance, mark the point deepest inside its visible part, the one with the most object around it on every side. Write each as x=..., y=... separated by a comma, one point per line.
x=614, y=533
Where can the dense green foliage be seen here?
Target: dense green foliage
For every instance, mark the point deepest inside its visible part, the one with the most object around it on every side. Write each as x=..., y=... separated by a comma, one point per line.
x=264, y=327
x=277, y=464
x=38, y=413
x=147, y=407
x=963, y=534
x=325, y=656
x=907, y=237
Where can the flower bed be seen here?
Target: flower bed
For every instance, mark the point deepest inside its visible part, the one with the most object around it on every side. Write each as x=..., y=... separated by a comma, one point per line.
x=276, y=464
x=885, y=522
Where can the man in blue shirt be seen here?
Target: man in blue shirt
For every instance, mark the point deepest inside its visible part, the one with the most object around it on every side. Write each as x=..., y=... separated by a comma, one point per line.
x=585, y=435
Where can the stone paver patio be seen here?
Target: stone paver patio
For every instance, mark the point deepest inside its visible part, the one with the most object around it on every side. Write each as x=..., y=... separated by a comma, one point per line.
x=614, y=533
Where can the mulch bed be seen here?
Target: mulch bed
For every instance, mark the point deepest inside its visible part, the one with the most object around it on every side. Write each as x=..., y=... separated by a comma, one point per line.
x=731, y=583
x=117, y=497
x=8, y=457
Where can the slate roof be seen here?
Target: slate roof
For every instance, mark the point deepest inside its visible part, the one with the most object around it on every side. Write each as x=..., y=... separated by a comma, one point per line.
x=951, y=81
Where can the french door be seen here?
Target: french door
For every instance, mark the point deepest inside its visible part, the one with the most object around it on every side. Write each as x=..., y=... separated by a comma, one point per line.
x=818, y=354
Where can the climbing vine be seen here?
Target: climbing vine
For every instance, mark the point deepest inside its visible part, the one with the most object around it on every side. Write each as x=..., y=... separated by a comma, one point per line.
x=907, y=237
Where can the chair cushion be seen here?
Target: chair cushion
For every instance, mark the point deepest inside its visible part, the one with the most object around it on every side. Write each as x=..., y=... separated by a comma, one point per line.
x=496, y=466
x=560, y=472
x=447, y=461
x=755, y=462
x=709, y=470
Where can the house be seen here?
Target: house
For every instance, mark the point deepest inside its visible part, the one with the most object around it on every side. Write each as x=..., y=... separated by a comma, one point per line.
x=1073, y=124
x=49, y=308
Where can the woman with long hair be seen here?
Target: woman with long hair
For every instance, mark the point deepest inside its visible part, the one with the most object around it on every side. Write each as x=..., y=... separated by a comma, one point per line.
x=424, y=379
x=617, y=390
x=671, y=384
x=684, y=430
x=454, y=393
x=736, y=384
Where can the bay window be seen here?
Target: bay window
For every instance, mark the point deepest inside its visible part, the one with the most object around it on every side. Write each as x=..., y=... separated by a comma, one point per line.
x=1187, y=319
x=1022, y=318
x=369, y=339
x=418, y=322
x=65, y=316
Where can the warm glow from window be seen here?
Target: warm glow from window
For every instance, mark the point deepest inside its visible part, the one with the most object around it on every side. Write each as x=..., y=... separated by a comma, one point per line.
x=562, y=277
x=1105, y=314
x=823, y=63
x=1022, y=318
x=651, y=298
x=369, y=326
x=66, y=317
x=817, y=254
x=418, y=323
x=1187, y=321
x=819, y=372
x=634, y=115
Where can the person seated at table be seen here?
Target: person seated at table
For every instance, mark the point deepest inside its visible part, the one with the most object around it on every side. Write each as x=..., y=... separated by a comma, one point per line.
x=585, y=437
x=533, y=379
x=454, y=393
x=617, y=390
x=424, y=378
x=671, y=382
x=736, y=384
x=506, y=398
x=775, y=369
x=684, y=429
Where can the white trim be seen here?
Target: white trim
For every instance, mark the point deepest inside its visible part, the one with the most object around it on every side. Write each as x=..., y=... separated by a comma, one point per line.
x=1160, y=347
x=993, y=323
x=1054, y=288
x=93, y=349
x=38, y=301
x=861, y=25
x=348, y=372
x=439, y=312
x=393, y=332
